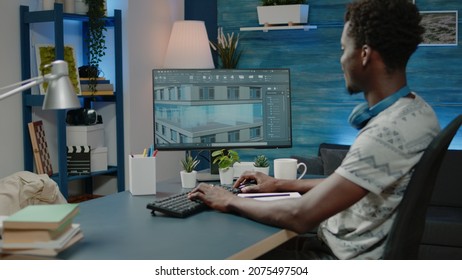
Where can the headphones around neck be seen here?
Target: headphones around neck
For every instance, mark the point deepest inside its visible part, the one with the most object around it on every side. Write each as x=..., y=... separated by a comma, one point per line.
x=361, y=114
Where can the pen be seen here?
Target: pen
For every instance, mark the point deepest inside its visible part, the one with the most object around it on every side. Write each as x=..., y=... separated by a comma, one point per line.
x=155, y=153
x=144, y=152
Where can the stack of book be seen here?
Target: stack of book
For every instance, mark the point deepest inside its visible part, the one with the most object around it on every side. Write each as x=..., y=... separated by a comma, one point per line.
x=40, y=230
x=103, y=87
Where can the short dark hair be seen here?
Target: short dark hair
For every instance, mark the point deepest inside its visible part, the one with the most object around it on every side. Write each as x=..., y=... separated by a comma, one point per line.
x=392, y=27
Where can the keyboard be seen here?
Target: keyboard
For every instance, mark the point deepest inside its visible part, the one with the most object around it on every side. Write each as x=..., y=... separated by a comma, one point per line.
x=180, y=205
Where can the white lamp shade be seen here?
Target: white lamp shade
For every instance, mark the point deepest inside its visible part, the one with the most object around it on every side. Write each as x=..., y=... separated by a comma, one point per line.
x=188, y=47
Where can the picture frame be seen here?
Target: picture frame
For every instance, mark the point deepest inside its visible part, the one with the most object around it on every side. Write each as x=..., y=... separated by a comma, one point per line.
x=45, y=54
x=441, y=28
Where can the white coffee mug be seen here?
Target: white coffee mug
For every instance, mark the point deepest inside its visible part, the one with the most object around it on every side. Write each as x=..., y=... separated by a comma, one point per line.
x=286, y=168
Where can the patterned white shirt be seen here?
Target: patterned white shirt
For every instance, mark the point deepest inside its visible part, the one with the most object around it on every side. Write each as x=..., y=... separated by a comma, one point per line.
x=380, y=160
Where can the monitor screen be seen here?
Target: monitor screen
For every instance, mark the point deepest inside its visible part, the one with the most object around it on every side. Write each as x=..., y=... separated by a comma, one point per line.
x=221, y=108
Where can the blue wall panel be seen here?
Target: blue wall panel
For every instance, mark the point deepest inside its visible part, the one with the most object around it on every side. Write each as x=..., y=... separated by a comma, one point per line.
x=320, y=104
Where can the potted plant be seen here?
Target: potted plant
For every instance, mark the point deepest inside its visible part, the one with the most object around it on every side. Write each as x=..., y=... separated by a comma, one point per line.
x=96, y=39
x=261, y=164
x=189, y=174
x=225, y=159
x=288, y=12
x=227, y=49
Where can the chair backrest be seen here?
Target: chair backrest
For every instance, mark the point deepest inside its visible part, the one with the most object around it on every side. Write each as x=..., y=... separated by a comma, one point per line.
x=407, y=230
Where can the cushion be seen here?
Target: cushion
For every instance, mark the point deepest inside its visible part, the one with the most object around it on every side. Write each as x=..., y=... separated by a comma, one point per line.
x=314, y=165
x=331, y=159
x=443, y=226
x=448, y=190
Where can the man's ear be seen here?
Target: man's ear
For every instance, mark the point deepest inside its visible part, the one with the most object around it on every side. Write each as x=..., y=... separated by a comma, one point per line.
x=366, y=52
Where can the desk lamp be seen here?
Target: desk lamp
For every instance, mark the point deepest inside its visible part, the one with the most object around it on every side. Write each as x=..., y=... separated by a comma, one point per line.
x=60, y=93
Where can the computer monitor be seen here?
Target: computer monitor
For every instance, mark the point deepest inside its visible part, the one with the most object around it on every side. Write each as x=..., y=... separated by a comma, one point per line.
x=197, y=109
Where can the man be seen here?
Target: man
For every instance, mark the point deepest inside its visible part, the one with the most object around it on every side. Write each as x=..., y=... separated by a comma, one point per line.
x=354, y=208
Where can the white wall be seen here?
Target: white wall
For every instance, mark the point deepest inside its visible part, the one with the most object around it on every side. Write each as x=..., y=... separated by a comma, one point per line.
x=11, y=151
x=147, y=26
x=148, y=29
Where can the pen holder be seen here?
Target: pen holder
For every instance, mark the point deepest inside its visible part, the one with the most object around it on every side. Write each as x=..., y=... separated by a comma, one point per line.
x=142, y=175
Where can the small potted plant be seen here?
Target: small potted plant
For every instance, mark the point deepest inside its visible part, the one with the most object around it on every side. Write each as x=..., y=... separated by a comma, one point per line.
x=227, y=49
x=261, y=164
x=189, y=174
x=225, y=159
x=288, y=12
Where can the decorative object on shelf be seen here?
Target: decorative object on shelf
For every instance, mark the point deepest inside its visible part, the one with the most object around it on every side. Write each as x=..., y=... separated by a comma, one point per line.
x=227, y=49
x=78, y=160
x=96, y=37
x=261, y=164
x=287, y=12
x=40, y=148
x=45, y=54
x=188, y=46
x=189, y=174
x=225, y=159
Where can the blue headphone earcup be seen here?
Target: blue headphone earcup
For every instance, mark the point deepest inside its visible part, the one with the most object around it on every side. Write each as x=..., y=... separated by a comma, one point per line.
x=359, y=116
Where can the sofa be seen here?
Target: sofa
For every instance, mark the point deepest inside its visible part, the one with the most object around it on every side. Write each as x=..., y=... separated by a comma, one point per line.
x=442, y=238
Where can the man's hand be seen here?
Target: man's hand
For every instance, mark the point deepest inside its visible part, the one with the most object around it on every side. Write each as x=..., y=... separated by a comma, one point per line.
x=215, y=197
x=251, y=181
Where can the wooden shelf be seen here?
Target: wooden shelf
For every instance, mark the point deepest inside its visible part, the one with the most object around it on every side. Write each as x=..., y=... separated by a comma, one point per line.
x=285, y=27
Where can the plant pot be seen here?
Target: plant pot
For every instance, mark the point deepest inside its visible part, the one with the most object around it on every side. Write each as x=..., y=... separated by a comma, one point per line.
x=80, y=7
x=264, y=170
x=226, y=176
x=283, y=14
x=188, y=179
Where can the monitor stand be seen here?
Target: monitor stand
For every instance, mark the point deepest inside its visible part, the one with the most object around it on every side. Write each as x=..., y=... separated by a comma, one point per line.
x=206, y=176
x=210, y=172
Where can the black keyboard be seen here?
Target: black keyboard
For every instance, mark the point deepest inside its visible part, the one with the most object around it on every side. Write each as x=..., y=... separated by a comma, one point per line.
x=180, y=205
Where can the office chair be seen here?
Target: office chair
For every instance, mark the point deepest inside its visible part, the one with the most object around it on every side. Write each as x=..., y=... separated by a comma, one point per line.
x=407, y=230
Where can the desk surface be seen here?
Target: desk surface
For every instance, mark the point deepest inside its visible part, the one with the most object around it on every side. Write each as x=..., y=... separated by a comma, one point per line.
x=119, y=226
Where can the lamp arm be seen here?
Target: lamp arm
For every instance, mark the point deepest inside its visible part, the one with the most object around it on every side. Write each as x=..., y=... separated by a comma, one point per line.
x=31, y=82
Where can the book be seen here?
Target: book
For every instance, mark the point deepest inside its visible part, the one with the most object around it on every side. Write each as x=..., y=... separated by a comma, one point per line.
x=43, y=252
x=34, y=235
x=99, y=92
x=40, y=148
x=98, y=81
x=98, y=87
x=48, y=216
x=59, y=243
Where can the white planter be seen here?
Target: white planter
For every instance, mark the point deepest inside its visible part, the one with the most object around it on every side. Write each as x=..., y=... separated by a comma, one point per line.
x=226, y=175
x=188, y=180
x=48, y=4
x=283, y=14
x=80, y=7
x=264, y=170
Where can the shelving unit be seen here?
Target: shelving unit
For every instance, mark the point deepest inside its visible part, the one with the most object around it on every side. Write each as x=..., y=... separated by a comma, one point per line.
x=57, y=17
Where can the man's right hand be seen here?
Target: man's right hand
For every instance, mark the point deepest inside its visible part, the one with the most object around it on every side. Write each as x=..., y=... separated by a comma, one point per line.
x=251, y=181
